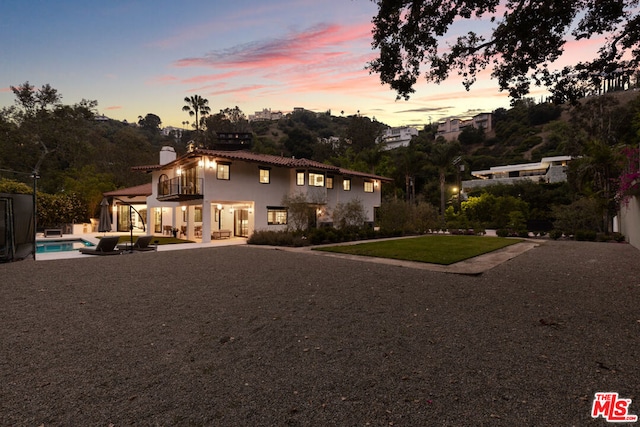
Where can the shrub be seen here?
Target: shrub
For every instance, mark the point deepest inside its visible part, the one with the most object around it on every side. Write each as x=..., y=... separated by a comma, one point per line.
x=555, y=234
x=502, y=232
x=583, y=214
x=276, y=238
x=586, y=235
x=349, y=214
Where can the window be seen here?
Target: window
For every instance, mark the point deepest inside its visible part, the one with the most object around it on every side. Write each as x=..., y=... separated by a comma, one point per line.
x=316, y=179
x=265, y=175
x=222, y=171
x=276, y=215
x=329, y=182
x=346, y=184
x=299, y=178
x=368, y=187
x=197, y=214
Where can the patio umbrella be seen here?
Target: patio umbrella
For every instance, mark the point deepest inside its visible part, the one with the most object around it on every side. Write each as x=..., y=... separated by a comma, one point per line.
x=105, y=217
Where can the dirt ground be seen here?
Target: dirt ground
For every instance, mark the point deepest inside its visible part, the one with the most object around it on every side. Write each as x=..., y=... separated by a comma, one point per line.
x=245, y=336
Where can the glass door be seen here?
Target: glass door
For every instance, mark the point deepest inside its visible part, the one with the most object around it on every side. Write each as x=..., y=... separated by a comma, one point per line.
x=241, y=223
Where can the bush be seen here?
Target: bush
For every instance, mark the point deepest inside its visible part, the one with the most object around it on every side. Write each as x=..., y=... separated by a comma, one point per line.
x=586, y=235
x=583, y=214
x=349, y=214
x=555, y=234
x=277, y=238
x=397, y=218
x=502, y=232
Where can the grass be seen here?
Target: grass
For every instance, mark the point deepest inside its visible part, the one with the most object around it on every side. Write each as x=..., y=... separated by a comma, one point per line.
x=443, y=250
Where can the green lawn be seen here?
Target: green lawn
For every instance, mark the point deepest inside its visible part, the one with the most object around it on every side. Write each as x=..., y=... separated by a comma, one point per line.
x=435, y=249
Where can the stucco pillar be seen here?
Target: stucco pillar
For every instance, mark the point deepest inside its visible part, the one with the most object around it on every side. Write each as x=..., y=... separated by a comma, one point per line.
x=206, y=221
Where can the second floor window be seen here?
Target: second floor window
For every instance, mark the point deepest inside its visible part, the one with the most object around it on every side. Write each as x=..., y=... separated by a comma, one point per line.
x=316, y=179
x=222, y=171
x=265, y=177
x=346, y=184
x=299, y=178
x=368, y=187
x=330, y=182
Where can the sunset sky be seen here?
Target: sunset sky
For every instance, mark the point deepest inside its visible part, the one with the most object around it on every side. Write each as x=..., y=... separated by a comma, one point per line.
x=139, y=57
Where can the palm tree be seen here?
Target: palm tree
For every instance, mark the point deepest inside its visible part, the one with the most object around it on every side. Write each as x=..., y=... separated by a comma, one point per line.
x=197, y=106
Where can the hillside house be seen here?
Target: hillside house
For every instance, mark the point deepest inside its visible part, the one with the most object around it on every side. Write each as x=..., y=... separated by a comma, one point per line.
x=451, y=128
x=547, y=170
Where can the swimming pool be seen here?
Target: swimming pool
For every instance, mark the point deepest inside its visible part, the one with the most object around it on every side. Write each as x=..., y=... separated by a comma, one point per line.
x=43, y=247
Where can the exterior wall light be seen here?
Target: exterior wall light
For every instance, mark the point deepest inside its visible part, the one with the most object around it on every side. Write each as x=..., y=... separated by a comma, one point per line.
x=184, y=208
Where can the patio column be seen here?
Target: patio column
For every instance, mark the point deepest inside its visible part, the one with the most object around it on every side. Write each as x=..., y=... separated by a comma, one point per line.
x=206, y=221
x=190, y=222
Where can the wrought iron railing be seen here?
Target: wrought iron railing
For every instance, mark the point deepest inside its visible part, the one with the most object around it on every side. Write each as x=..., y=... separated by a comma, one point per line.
x=180, y=187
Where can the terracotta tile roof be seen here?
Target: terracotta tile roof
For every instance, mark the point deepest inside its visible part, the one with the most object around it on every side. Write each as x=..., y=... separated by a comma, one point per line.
x=265, y=159
x=138, y=190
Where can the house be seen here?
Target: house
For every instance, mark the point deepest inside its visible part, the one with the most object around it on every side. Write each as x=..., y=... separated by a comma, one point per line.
x=265, y=115
x=547, y=170
x=451, y=128
x=397, y=137
x=205, y=191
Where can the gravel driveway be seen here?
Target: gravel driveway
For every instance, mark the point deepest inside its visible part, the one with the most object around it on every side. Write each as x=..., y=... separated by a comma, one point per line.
x=245, y=336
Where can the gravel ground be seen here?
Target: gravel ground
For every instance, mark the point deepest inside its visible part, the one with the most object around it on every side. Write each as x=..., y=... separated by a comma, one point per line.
x=245, y=336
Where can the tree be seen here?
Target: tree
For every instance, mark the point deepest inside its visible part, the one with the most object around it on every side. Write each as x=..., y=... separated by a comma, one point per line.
x=523, y=40
x=197, y=106
x=442, y=155
x=150, y=123
x=31, y=99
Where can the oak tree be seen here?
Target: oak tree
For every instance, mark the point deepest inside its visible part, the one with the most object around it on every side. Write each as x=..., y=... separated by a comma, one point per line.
x=522, y=41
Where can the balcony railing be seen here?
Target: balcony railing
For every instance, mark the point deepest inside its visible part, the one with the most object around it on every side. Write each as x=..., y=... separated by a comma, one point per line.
x=180, y=189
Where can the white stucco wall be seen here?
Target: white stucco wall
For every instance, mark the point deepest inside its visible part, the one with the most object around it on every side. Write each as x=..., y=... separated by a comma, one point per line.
x=244, y=190
x=630, y=221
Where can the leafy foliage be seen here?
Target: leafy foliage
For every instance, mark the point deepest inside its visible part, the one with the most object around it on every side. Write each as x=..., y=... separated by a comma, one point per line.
x=524, y=41
x=349, y=214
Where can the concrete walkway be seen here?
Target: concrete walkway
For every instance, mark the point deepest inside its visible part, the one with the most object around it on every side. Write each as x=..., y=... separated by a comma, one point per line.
x=472, y=266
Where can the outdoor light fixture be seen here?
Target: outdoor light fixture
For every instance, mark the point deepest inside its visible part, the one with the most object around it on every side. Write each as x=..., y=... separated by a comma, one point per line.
x=212, y=163
x=201, y=163
x=375, y=184
x=184, y=208
x=179, y=172
x=250, y=210
x=231, y=210
x=219, y=207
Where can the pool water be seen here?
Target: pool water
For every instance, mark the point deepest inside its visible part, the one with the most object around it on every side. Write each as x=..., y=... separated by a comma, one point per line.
x=61, y=245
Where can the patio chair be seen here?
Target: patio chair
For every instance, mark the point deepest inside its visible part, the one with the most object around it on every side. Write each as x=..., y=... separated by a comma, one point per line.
x=142, y=244
x=106, y=246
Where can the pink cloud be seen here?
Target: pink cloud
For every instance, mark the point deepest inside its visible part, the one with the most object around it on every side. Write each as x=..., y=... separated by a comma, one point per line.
x=314, y=45
x=114, y=107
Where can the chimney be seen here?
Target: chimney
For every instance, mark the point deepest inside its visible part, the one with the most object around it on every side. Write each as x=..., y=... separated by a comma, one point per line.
x=167, y=155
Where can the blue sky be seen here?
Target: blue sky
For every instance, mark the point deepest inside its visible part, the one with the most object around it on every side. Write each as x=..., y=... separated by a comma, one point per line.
x=139, y=57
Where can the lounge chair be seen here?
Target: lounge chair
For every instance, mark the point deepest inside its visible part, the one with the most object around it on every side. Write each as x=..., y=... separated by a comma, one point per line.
x=106, y=246
x=141, y=244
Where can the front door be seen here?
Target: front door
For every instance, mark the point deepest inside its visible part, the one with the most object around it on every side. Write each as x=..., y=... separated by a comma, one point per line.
x=241, y=223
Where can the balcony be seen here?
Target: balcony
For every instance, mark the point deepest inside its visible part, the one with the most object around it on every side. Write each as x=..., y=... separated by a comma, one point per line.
x=180, y=189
